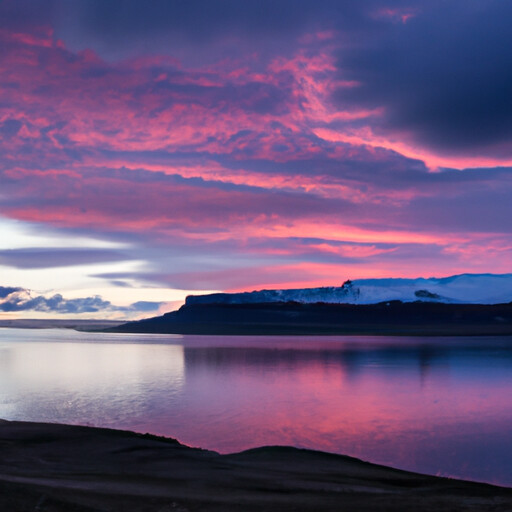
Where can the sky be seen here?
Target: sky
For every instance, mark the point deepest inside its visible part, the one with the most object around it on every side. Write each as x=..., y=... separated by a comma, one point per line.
x=152, y=150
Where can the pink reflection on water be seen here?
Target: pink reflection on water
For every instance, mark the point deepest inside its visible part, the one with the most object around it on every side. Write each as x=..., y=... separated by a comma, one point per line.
x=433, y=405
x=422, y=408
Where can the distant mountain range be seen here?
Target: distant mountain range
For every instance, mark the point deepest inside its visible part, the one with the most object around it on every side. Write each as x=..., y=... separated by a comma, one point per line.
x=458, y=289
x=466, y=304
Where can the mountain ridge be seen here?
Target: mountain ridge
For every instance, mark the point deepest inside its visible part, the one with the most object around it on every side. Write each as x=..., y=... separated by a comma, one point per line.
x=466, y=288
x=465, y=304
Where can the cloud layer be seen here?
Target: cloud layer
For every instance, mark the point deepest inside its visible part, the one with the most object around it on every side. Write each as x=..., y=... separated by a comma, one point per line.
x=16, y=299
x=235, y=145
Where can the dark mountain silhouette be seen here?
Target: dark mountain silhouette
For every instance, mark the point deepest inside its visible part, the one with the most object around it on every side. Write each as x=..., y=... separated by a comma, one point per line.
x=393, y=317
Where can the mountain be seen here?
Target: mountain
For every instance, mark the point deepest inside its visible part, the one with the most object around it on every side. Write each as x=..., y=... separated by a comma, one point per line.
x=390, y=318
x=458, y=305
x=458, y=289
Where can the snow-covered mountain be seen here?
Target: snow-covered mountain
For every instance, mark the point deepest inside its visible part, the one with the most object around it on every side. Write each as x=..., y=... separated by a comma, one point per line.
x=462, y=289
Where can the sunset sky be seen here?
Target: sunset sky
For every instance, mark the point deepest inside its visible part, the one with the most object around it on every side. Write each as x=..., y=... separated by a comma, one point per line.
x=154, y=149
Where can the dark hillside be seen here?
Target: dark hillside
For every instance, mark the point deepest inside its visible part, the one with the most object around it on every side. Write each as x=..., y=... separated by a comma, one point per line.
x=395, y=317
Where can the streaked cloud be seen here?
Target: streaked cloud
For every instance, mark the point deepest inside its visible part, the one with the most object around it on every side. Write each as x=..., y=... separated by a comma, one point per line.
x=232, y=145
x=48, y=257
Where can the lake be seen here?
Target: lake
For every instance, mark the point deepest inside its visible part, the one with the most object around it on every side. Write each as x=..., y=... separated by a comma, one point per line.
x=441, y=406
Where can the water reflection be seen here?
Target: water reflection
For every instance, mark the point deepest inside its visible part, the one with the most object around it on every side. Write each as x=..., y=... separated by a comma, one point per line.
x=436, y=405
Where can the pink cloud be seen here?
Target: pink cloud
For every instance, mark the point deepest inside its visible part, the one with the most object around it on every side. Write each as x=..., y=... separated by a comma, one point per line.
x=229, y=154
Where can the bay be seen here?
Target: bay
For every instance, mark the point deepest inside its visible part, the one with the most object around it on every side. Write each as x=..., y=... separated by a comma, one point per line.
x=434, y=405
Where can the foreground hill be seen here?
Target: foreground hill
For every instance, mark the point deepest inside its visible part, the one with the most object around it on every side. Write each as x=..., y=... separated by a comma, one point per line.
x=57, y=468
x=395, y=317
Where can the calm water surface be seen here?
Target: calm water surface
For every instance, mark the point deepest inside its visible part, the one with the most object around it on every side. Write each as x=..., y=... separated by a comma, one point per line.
x=436, y=405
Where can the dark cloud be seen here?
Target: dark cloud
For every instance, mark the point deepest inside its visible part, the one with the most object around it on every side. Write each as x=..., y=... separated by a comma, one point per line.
x=123, y=28
x=49, y=257
x=144, y=306
x=23, y=14
x=119, y=283
x=444, y=77
x=473, y=210
x=15, y=299
x=7, y=290
x=10, y=128
x=253, y=97
x=22, y=300
x=115, y=26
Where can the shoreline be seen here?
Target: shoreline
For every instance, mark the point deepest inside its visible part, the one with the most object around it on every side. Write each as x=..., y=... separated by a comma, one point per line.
x=58, y=323
x=57, y=467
